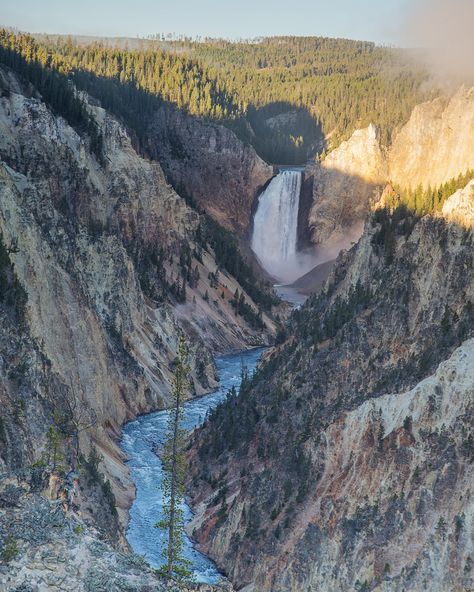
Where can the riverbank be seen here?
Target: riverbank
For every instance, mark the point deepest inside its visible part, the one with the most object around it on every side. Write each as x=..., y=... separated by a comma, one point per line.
x=141, y=439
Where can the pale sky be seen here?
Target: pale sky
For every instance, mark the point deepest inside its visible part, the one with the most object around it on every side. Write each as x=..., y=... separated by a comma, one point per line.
x=373, y=20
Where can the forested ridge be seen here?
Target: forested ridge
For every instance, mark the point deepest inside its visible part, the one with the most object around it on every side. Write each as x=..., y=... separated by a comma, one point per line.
x=343, y=84
x=288, y=96
x=41, y=69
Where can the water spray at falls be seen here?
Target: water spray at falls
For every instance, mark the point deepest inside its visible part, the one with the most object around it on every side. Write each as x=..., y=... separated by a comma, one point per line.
x=275, y=227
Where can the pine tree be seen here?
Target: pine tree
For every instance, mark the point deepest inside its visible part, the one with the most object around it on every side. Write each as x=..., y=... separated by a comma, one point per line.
x=174, y=468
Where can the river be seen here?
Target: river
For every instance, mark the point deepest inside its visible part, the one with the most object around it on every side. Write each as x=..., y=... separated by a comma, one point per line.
x=141, y=437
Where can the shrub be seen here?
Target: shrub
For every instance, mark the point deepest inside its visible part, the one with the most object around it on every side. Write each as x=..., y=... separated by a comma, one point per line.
x=9, y=550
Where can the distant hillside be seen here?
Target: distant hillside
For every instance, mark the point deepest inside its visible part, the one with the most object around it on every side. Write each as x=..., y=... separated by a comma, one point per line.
x=287, y=96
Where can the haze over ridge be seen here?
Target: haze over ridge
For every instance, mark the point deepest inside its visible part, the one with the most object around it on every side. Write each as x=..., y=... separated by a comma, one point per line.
x=444, y=31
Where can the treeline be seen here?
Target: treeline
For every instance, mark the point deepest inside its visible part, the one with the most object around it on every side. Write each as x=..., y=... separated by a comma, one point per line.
x=234, y=419
x=174, y=77
x=316, y=328
x=37, y=66
x=284, y=95
x=427, y=201
x=402, y=211
x=242, y=308
x=283, y=133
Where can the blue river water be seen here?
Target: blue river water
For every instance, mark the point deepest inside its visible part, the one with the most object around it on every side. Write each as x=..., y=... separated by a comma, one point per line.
x=144, y=436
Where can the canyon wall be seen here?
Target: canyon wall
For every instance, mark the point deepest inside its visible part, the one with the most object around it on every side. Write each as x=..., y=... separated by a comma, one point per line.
x=101, y=246
x=210, y=164
x=433, y=147
x=344, y=184
x=436, y=144
x=347, y=460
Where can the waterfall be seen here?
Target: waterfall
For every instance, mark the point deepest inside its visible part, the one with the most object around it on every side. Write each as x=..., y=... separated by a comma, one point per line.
x=275, y=226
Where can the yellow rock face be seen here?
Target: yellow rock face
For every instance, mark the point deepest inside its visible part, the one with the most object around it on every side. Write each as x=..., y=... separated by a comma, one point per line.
x=436, y=144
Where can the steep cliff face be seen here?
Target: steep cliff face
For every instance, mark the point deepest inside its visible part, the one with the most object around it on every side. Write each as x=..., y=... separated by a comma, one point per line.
x=210, y=164
x=392, y=509
x=344, y=184
x=102, y=249
x=436, y=144
x=347, y=460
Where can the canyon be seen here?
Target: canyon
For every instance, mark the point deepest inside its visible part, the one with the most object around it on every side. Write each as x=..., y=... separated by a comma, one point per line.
x=98, y=328
x=314, y=399
x=345, y=461
x=208, y=163
x=434, y=146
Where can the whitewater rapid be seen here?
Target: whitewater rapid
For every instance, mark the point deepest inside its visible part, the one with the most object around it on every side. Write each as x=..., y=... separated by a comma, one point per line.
x=141, y=440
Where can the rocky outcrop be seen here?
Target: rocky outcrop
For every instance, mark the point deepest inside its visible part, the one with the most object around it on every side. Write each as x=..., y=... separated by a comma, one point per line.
x=346, y=462
x=436, y=144
x=344, y=184
x=210, y=164
x=392, y=509
x=45, y=548
x=459, y=208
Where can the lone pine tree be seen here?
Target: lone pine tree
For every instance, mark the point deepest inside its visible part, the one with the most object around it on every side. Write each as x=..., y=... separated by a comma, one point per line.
x=174, y=469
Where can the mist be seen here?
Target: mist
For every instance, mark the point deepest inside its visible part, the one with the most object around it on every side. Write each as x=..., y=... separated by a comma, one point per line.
x=443, y=33
x=287, y=272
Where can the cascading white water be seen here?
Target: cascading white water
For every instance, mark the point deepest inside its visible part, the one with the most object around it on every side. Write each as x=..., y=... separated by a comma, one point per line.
x=275, y=226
